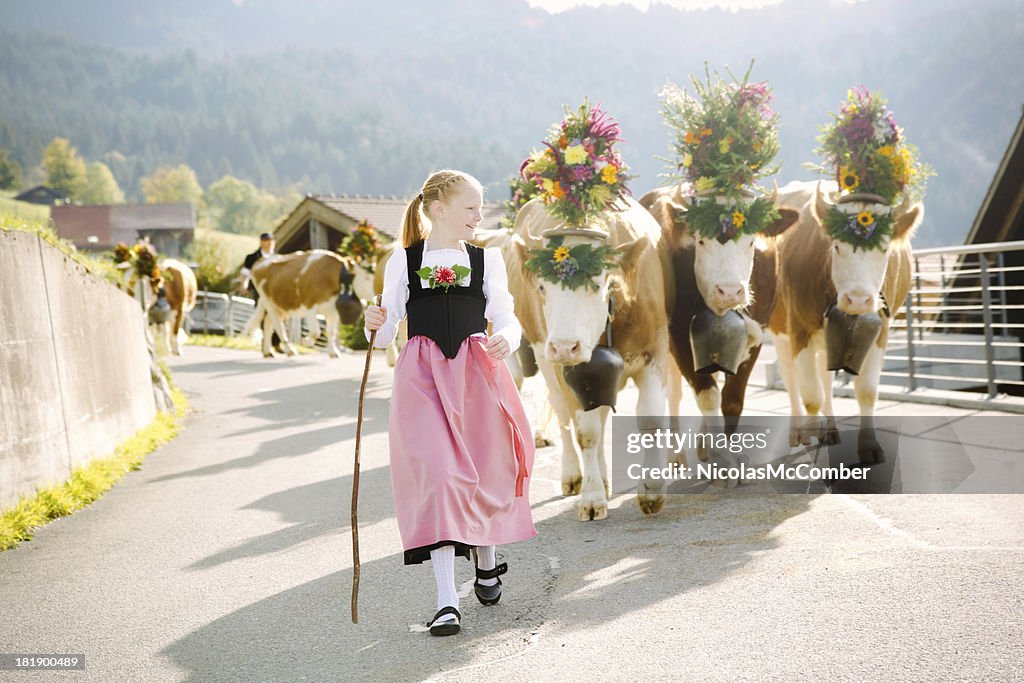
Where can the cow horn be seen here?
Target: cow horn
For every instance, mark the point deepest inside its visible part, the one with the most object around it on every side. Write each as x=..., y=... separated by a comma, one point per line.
x=903, y=207
x=775, y=191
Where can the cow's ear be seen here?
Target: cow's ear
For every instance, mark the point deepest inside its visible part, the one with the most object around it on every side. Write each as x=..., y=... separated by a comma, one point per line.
x=906, y=223
x=520, y=253
x=787, y=217
x=630, y=252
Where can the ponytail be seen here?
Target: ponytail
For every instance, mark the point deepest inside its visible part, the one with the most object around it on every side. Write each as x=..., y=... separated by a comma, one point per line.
x=412, y=225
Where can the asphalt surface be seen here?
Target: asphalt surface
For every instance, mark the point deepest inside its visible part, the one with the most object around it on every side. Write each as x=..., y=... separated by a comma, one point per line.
x=227, y=557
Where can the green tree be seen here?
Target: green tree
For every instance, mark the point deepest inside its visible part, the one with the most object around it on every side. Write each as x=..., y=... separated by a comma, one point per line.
x=100, y=186
x=234, y=205
x=64, y=168
x=10, y=172
x=213, y=272
x=170, y=184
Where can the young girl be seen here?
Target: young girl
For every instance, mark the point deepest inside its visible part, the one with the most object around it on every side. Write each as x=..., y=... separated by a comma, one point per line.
x=461, y=446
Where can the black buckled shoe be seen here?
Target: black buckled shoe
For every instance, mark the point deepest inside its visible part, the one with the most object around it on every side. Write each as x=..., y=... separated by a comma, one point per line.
x=489, y=595
x=446, y=628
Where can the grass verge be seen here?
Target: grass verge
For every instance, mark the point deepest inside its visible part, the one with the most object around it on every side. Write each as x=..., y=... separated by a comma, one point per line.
x=89, y=482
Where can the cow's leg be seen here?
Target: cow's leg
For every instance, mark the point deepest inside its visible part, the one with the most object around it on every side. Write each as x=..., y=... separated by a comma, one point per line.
x=179, y=316
x=650, y=407
x=784, y=354
x=269, y=321
x=330, y=313
x=709, y=401
x=808, y=381
x=866, y=388
x=589, y=432
x=828, y=434
x=516, y=369
x=571, y=475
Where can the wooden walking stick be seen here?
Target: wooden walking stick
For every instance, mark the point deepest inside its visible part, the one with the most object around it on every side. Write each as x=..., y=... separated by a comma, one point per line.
x=355, y=478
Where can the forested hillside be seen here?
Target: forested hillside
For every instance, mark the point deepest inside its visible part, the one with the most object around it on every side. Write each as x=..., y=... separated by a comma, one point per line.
x=367, y=97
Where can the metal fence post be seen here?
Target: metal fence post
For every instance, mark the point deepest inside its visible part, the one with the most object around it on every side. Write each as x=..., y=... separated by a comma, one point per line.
x=1002, y=292
x=206, y=313
x=911, y=378
x=917, y=279
x=986, y=311
x=229, y=319
x=945, y=299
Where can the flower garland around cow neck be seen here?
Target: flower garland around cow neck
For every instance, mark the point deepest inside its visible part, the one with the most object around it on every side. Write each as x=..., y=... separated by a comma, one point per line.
x=361, y=244
x=142, y=256
x=571, y=267
x=725, y=139
x=865, y=152
x=580, y=173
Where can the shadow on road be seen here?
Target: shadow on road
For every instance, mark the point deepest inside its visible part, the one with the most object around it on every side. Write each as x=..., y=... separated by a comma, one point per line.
x=573, y=577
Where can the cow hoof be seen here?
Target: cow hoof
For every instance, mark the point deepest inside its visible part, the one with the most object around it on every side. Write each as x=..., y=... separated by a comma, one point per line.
x=571, y=486
x=829, y=436
x=542, y=442
x=799, y=437
x=592, y=511
x=702, y=453
x=651, y=503
x=267, y=354
x=870, y=452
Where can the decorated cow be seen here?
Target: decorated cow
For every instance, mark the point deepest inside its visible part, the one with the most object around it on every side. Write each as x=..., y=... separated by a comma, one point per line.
x=719, y=234
x=845, y=268
x=591, y=293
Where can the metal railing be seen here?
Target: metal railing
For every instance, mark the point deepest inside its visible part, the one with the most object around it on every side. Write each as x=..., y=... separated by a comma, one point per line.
x=962, y=325
x=217, y=313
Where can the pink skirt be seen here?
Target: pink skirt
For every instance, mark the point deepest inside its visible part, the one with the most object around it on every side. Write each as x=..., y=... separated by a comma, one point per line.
x=461, y=450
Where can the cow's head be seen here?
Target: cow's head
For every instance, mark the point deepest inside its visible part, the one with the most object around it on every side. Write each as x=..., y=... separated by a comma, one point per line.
x=129, y=281
x=575, y=317
x=722, y=265
x=858, y=273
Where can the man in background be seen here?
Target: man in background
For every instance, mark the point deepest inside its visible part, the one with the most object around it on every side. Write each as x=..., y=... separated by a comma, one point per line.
x=247, y=286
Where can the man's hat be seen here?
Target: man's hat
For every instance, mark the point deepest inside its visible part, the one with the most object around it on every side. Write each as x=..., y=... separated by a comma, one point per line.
x=266, y=236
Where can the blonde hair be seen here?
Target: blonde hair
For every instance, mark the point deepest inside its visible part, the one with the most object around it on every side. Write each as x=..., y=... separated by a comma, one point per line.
x=440, y=186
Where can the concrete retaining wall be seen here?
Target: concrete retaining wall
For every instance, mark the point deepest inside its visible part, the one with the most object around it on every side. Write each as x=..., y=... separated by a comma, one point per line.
x=74, y=368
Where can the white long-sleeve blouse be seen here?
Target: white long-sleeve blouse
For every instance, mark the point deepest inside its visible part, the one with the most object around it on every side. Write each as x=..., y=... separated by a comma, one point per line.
x=500, y=308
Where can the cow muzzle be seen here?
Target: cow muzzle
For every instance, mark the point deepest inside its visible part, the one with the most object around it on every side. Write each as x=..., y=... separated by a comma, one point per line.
x=567, y=352
x=726, y=296
x=857, y=301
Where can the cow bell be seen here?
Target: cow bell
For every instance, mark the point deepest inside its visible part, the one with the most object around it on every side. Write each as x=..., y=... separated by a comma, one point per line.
x=596, y=382
x=717, y=341
x=848, y=338
x=349, y=308
x=160, y=311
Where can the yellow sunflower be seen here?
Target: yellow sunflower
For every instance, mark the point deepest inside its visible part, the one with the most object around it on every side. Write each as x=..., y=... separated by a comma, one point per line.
x=865, y=218
x=848, y=178
x=561, y=253
x=738, y=219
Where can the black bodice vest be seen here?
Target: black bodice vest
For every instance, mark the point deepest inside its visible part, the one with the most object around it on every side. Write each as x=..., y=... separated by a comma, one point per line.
x=446, y=316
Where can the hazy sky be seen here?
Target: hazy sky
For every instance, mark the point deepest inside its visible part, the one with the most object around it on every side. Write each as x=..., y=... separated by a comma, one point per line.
x=560, y=5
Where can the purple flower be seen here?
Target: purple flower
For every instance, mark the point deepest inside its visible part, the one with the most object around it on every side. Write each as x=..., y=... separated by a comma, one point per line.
x=565, y=269
x=603, y=126
x=582, y=172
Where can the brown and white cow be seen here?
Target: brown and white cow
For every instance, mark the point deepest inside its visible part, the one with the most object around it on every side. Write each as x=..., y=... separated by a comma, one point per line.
x=178, y=284
x=816, y=271
x=563, y=326
x=299, y=283
x=734, y=274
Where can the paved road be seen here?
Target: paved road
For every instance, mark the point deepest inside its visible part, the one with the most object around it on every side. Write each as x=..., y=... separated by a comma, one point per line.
x=227, y=557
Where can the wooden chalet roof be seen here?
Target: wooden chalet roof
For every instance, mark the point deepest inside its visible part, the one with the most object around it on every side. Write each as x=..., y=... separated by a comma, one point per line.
x=1001, y=216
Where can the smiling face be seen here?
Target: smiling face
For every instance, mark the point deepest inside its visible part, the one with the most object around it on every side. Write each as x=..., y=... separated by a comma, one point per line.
x=458, y=215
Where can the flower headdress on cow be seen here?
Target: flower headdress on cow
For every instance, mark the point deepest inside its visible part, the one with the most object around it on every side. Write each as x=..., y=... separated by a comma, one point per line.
x=141, y=257
x=866, y=153
x=579, y=175
x=361, y=244
x=725, y=139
